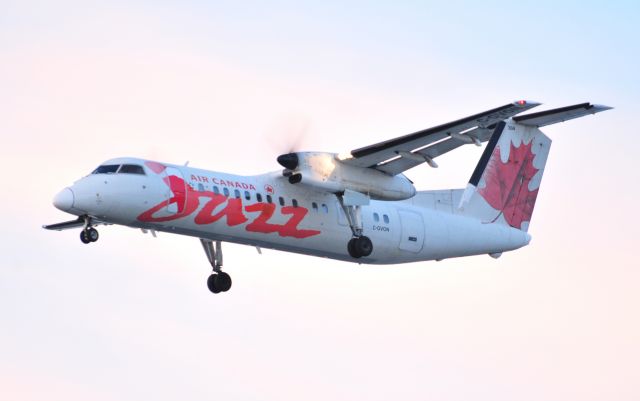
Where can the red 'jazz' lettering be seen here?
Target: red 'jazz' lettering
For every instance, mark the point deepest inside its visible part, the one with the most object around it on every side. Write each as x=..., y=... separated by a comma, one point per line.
x=260, y=225
x=233, y=211
x=205, y=217
x=290, y=229
x=187, y=201
x=185, y=204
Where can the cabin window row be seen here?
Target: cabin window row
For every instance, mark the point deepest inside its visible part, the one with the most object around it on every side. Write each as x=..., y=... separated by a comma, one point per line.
x=281, y=201
x=249, y=196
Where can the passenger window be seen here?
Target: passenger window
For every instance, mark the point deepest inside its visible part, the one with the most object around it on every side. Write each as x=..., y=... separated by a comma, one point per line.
x=216, y=190
x=131, y=169
x=247, y=195
x=314, y=206
x=376, y=217
x=325, y=208
x=106, y=169
x=294, y=203
x=200, y=187
x=236, y=193
x=225, y=190
x=259, y=197
x=269, y=200
x=385, y=218
x=281, y=200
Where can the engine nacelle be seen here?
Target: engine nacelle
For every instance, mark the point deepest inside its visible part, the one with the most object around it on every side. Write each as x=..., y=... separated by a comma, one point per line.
x=324, y=171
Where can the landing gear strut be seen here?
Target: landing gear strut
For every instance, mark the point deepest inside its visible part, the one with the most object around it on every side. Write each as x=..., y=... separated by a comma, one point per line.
x=360, y=245
x=88, y=233
x=218, y=281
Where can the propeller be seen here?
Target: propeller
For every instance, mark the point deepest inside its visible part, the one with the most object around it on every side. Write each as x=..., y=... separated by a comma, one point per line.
x=287, y=136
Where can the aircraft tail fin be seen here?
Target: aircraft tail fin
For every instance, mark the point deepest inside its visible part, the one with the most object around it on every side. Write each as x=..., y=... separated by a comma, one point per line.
x=504, y=185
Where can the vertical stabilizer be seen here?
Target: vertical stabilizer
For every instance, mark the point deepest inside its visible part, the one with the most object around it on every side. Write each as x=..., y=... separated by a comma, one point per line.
x=504, y=185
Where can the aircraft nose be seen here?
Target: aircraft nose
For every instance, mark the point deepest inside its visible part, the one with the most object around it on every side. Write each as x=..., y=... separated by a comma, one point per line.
x=64, y=200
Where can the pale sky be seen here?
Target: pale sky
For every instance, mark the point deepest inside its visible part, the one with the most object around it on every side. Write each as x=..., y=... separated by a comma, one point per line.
x=228, y=86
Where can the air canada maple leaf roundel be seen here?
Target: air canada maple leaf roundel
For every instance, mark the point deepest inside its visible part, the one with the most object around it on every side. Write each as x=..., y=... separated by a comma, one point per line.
x=507, y=184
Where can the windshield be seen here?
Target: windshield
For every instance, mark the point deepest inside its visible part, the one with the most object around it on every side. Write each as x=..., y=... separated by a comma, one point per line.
x=120, y=169
x=131, y=169
x=106, y=169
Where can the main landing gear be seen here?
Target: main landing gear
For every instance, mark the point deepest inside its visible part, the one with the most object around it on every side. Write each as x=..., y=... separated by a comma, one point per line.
x=218, y=281
x=88, y=233
x=360, y=245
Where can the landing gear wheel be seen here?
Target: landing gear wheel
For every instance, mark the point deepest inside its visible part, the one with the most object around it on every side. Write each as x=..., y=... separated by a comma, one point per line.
x=92, y=234
x=219, y=282
x=359, y=247
x=211, y=283
x=351, y=248
x=223, y=281
x=84, y=237
x=363, y=246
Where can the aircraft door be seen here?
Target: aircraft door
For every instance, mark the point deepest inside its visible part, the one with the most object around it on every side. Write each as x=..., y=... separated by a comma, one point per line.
x=412, y=229
x=176, y=194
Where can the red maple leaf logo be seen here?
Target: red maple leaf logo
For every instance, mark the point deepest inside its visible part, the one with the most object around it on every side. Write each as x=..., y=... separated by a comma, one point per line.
x=507, y=184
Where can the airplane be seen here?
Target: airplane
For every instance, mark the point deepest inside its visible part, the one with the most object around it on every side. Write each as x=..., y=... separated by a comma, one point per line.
x=358, y=207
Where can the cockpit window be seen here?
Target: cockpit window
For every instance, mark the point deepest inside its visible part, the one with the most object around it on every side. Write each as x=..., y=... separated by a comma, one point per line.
x=106, y=169
x=131, y=169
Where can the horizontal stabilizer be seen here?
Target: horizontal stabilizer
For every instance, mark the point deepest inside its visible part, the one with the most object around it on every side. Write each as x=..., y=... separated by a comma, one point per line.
x=79, y=222
x=559, y=115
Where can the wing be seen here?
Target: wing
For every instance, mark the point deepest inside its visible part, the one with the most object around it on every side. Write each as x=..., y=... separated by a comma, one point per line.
x=399, y=154
x=549, y=117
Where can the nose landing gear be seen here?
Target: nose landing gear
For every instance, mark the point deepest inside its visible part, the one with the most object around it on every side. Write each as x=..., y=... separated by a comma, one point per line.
x=218, y=281
x=88, y=233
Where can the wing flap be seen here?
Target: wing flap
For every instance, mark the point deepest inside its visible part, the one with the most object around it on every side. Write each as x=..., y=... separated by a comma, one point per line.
x=400, y=164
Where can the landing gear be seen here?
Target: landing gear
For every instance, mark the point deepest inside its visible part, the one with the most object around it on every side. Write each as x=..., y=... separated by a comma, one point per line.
x=360, y=245
x=218, y=281
x=88, y=233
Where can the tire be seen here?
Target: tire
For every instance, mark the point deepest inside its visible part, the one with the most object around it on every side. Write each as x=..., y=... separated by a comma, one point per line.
x=92, y=234
x=352, y=249
x=211, y=283
x=84, y=237
x=223, y=281
x=363, y=246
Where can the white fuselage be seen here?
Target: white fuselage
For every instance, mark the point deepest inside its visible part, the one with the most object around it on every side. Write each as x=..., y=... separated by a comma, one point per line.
x=194, y=202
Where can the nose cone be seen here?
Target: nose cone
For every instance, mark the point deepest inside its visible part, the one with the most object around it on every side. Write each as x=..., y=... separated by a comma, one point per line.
x=64, y=200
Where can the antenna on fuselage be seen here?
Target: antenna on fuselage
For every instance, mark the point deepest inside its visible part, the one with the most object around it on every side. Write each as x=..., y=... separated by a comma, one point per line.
x=186, y=163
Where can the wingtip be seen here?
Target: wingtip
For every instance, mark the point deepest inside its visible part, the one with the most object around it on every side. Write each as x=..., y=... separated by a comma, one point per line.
x=600, y=107
x=526, y=103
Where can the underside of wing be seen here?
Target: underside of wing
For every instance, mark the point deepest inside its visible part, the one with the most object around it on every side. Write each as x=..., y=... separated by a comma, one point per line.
x=399, y=154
